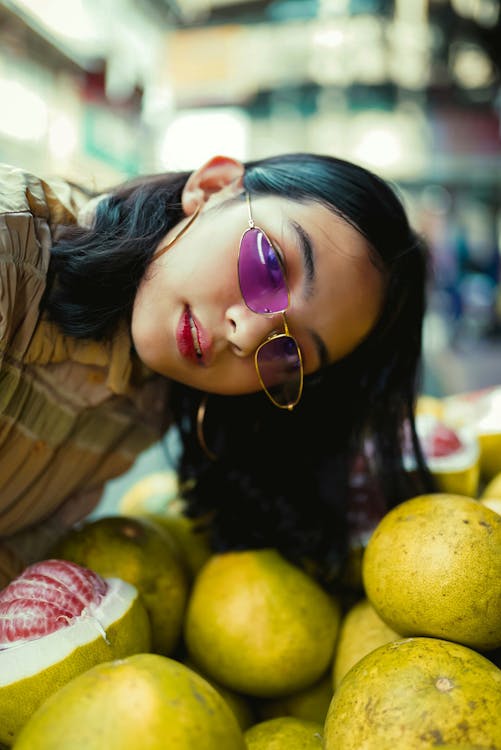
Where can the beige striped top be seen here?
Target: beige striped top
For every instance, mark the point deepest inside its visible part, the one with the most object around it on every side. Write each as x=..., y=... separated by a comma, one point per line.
x=73, y=413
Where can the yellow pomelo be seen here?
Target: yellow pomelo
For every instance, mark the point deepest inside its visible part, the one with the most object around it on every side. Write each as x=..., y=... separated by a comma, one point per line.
x=137, y=551
x=239, y=704
x=146, y=701
x=285, y=733
x=310, y=704
x=260, y=625
x=452, y=454
x=192, y=544
x=458, y=481
x=492, y=488
x=33, y=670
x=490, y=453
x=153, y=493
x=413, y=694
x=433, y=567
x=361, y=631
x=426, y=404
x=494, y=503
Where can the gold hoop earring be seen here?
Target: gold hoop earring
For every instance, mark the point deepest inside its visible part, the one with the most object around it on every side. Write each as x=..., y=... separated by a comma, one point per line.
x=202, y=408
x=171, y=242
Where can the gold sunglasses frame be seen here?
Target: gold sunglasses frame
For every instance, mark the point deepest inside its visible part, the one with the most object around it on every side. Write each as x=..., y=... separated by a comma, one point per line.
x=273, y=336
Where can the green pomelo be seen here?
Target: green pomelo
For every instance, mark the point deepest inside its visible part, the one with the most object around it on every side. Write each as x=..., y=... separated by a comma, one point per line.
x=147, y=701
x=240, y=704
x=193, y=545
x=259, y=625
x=432, y=567
x=137, y=551
x=361, y=631
x=32, y=670
x=415, y=694
x=152, y=493
x=285, y=733
x=311, y=703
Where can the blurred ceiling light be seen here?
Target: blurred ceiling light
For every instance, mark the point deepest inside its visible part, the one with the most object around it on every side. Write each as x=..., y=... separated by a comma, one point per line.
x=393, y=143
x=470, y=66
x=330, y=38
x=379, y=147
x=411, y=11
x=24, y=112
x=368, y=48
x=193, y=136
x=63, y=136
x=72, y=21
x=484, y=12
x=409, y=61
x=331, y=59
x=347, y=50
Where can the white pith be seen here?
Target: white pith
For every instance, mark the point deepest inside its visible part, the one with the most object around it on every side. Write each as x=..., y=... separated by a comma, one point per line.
x=460, y=460
x=28, y=657
x=483, y=414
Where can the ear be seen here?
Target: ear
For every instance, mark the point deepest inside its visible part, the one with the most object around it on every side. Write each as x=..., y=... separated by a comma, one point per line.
x=219, y=173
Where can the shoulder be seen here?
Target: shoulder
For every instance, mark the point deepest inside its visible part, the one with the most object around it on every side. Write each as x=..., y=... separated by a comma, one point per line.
x=53, y=200
x=31, y=209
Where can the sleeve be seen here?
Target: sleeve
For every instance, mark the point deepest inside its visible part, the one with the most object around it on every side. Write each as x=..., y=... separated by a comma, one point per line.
x=30, y=211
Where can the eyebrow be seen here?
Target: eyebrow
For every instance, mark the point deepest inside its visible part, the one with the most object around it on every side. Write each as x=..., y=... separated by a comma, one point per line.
x=306, y=247
x=308, y=255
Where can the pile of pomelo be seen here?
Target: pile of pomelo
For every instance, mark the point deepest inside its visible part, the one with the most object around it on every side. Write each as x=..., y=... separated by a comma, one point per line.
x=133, y=634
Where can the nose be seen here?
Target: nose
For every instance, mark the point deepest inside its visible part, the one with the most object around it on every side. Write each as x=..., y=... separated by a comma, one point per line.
x=247, y=329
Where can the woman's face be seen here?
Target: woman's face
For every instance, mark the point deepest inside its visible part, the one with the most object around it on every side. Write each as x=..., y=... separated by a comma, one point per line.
x=191, y=324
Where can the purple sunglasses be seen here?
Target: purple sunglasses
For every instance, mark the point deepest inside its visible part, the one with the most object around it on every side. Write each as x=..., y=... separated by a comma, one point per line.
x=264, y=289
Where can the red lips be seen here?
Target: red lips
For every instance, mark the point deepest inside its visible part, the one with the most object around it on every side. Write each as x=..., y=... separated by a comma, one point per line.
x=192, y=340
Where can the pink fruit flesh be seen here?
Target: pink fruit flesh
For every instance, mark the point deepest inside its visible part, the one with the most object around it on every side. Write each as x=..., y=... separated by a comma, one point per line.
x=442, y=442
x=46, y=596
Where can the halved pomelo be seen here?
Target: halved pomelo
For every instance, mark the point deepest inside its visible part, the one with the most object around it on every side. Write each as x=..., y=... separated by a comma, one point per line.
x=481, y=412
x=58, y=619
x=138, y=551
x=452, y=454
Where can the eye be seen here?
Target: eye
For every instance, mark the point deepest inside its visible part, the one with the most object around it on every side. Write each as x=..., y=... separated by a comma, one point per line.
x=274, y=266
x=272, y=257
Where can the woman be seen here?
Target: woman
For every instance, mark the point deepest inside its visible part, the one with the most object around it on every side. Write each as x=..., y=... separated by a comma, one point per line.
x=177, y=299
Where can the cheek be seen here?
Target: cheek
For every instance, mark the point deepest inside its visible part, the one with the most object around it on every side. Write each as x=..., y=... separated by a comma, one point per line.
x=350, y=311
x=147, y=317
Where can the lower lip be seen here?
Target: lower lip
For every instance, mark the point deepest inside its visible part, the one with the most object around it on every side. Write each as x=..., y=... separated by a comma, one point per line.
x=184, y=339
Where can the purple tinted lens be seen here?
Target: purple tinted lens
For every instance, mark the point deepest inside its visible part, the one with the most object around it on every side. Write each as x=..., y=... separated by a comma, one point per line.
x=279, y=365
x=261, y=277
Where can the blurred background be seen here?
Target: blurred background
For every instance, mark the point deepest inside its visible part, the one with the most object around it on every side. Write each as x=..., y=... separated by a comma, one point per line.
x=101, y=90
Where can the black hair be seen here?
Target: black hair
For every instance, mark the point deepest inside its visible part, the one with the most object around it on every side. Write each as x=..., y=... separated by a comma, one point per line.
x=281, y=479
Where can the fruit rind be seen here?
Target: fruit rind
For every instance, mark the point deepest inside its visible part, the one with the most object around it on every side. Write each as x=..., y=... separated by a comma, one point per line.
x=244, y=636
x=432, y=568
x=415, y=693
x=29, y=672
x=145, y=701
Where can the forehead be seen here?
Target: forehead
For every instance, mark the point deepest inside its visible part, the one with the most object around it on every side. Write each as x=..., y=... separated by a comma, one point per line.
x=325, y=227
